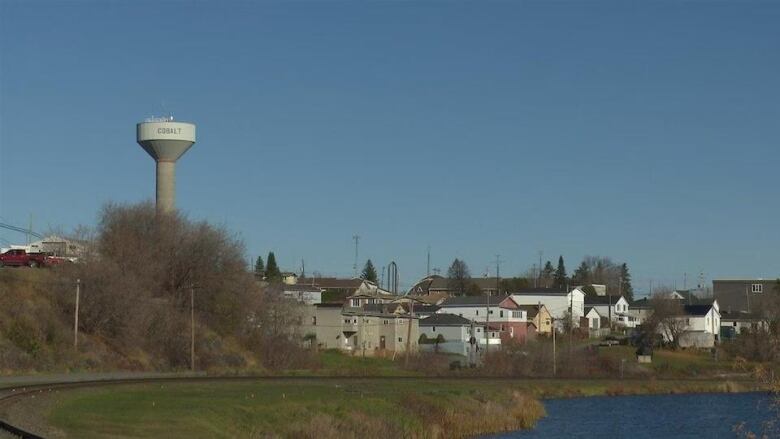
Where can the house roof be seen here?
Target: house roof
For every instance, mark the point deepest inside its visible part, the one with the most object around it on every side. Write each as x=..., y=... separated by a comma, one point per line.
x=329, y=305
x=697, y=310
x=373, y=295
x=530, y=310
x=443, y=283
x=539, y=292
x=422, y=309
x=331, y=282
x=740, y=316
x=445, y=320
x=641, y=303
x=375, y=310
x=306, y=288
x=601, y=300
x=589, y=309
x=473, y=301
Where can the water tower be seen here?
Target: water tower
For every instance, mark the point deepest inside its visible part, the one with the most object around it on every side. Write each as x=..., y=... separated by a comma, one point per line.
x=166, y=141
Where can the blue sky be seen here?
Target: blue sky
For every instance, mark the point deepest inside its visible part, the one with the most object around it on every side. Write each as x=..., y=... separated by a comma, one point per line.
x=645, y=131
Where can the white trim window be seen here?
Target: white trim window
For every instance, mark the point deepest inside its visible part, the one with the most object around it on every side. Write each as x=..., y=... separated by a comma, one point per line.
x=757, y=288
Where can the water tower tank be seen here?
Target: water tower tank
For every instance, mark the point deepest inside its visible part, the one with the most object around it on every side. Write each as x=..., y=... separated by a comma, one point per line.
x=166, y=141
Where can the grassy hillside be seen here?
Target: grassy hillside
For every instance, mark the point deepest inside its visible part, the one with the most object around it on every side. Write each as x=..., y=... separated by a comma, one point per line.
x=36, y=333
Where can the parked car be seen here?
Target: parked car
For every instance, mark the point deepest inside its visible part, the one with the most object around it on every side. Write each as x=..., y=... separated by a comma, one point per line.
x=20, y=258
x=612, y=340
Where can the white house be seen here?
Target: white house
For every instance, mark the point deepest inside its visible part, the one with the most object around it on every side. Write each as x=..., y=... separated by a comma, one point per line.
x=615, y=308
x=593, y=317
x=307, y=294
x=641, y=310
x=557, y=303
x=500, y=312
x=456, y=333
x=701, y=326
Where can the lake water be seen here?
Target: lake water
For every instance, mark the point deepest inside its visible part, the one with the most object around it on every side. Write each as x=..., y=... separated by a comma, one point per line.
x=654, y=416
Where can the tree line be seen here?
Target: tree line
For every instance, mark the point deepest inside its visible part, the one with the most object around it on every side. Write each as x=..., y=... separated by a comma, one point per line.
x=593, y=270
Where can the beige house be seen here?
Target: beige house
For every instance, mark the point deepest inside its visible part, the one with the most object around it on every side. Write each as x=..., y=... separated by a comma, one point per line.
x=367, y=330
x=540, y=317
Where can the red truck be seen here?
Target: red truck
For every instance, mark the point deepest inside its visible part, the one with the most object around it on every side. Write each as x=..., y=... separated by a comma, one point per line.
x=20, y=258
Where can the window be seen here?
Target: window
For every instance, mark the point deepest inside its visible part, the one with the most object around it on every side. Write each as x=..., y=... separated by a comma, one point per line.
x=385, y=322
x=314, y=320
x=434, y=329
x=347, y=321
x=400, y=339
x=355, y=302
x=477, y=312
x=479, y=330
x=490, y=311
x=757, y=288
x=501, y=313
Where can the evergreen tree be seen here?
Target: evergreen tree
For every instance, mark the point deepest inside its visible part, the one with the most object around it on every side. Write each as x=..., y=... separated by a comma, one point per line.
x=560, y=274
x=259, y=267
x=272, y=273
x=369, y=272
x=581, y=275
x=625, y=278
x=548, y=272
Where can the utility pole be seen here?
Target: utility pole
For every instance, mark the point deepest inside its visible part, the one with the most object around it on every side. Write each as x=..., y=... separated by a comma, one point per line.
x=428, y=271
x=472, y=342
x=192, y=328
x=498, y=274
x=553, y=334
x=571, y=320
x=355, y=265
x=409, y=333
x=29, y=231
x=76, y=317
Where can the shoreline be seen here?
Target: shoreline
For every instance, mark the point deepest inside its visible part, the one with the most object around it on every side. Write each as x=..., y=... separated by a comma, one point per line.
x=429, y=405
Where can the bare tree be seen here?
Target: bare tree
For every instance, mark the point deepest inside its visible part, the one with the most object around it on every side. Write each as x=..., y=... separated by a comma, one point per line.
x=138, y=284
x=459, y=277
x=668, y=317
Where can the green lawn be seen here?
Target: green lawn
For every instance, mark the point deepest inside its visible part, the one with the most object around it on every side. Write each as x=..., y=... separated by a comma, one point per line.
x=676, y=364
x=257, y=408
x=329, y=408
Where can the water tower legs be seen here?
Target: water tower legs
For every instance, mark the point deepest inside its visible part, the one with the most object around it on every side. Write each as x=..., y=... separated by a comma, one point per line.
x=166, y=186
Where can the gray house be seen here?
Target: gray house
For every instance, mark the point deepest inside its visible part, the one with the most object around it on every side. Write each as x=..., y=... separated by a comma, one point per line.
x=742, y=295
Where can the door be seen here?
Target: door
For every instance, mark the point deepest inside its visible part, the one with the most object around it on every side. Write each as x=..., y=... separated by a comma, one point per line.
x=382, y=342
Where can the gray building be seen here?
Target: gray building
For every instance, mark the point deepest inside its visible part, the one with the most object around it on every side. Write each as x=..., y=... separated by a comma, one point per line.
x=742, y=295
